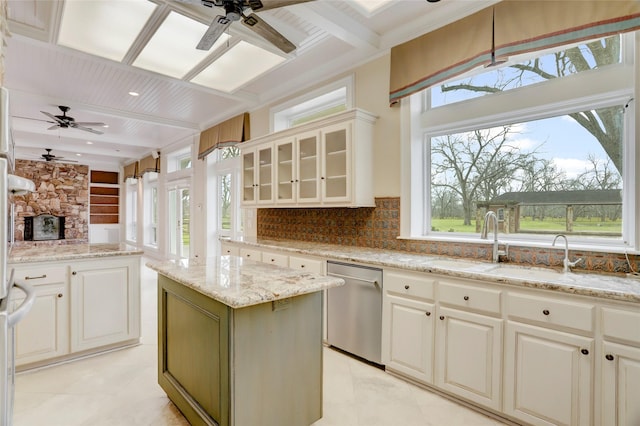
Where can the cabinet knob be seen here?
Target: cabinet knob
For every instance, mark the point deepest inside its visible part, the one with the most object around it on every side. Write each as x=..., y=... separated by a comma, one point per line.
x=273, y=260
x=584, y=351
x=466, y=297
x=609, y=357
x=74, y=273
x=546, y=312
x=302, y=266
x=322, y=178
x=60, y=295
x=428, y=313
x=441, y=317
x=406, y=287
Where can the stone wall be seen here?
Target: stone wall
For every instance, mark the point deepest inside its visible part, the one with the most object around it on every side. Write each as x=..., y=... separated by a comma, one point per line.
x=61, y=190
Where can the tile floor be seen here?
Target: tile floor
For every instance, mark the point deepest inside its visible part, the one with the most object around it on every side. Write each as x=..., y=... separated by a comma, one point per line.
x=120, y=389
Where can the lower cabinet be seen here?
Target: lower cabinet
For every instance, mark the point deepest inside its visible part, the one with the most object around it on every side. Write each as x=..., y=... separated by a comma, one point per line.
x=43, y=334
x=469, y=356
x=106, y=303
x=548, y=376
x=620, y=384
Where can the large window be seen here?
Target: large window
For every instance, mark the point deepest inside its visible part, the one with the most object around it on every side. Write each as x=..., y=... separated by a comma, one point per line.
x=223, y=195
x=131, y=204
x=546, y=142
x=150, y=184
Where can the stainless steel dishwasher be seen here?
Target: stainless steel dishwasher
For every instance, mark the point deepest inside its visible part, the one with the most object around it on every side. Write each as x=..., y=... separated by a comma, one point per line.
x=354, y=311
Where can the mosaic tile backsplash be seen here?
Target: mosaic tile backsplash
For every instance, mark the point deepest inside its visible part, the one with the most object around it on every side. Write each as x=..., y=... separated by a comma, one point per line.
x=379, y=227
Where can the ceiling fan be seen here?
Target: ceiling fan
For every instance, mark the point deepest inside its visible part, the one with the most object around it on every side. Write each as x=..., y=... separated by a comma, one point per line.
x=48, y=156
x=234, y=10
x=64, y=121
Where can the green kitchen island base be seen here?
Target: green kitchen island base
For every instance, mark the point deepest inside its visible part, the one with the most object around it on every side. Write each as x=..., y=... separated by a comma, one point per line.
x=259, y=365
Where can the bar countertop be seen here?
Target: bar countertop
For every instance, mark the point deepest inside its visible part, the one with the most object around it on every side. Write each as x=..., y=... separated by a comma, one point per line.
x=239, y=282
x=44, y=253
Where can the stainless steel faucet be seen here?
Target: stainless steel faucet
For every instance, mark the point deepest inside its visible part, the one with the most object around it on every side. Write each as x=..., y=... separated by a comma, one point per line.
x=566, y=264
x=496, y=253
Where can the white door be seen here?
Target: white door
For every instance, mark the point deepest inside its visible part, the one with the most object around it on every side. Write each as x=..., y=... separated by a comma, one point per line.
x=179, y=222
x=548, y=376
x=620, y=385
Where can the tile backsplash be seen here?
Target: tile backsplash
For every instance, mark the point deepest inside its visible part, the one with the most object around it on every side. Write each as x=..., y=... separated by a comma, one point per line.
x=379, y=227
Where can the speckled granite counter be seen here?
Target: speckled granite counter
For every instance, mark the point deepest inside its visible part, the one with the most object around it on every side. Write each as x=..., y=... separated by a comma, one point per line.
x=614, y=287
x=239, y=282
x=43, y=253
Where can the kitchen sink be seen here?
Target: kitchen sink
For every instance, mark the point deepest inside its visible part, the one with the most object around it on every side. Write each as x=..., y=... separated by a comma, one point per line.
x=457, y=264
x=523, y=272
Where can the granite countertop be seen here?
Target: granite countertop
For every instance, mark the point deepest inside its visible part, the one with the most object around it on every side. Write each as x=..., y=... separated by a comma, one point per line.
x=239, y=282
x=615, y=287
x=42, y=253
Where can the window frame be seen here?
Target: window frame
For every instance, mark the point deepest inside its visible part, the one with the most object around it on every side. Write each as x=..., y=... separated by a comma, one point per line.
x=542, y=100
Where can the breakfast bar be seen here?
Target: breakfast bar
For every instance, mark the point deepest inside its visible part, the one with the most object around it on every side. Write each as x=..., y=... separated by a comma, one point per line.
x=240, y=342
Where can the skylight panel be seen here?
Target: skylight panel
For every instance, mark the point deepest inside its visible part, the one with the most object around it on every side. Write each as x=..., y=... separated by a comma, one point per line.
x=239, y=65
x=371, y=7
x=172, y=49
x=103, y=28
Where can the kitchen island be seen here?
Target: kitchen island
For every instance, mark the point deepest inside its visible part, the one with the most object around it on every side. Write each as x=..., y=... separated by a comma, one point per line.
x=240, y=342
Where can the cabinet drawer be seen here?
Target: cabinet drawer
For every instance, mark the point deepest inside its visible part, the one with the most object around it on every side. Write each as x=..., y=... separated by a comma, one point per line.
x=413, y=285
x=621, y=324
x=469, y=296
x=314, y=266
x=550, y=311
x=41, y=275
x=230, y=250
x=251, y=254
x=275, y=258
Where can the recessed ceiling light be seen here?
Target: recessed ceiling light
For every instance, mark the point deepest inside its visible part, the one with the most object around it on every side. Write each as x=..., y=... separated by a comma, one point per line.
x=103, y=28
x=134, y=93
x=230, y=70
x=89, y=143
x=79, y=155
x=172, y=49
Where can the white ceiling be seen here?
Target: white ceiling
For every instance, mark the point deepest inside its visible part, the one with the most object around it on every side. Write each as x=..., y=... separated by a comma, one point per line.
x=331, y=36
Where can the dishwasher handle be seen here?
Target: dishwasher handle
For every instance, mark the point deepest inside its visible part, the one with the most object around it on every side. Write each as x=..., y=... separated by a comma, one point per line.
x=347, y=277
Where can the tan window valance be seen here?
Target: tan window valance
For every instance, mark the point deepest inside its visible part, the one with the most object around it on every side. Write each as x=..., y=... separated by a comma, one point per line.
x=227, y=133
x=149, y=164
x=130, y=171
x=520, y=26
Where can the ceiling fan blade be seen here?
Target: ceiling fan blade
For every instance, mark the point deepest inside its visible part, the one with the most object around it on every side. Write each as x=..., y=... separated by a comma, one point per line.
x=89, y=123
x=218, y=26
x=55, y=126
x=259, y=5
x=53, y=117
x=265, y=30
x=86, y=129
x=30, y=118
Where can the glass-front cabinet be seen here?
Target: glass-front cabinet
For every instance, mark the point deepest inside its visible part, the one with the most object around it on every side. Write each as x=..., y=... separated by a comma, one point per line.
x=323, y=163
x=257, y=175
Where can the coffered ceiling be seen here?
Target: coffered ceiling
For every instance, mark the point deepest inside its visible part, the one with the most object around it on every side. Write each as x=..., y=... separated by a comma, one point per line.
x=47, y=65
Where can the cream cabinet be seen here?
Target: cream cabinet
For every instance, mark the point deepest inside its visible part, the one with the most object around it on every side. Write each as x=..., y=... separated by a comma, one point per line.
x=105, y=302
x=257, y=175
x=408, y=326
x=469, y=341
x=620, y=366
x=227, y=249
x=327, y=162
x=44, y=333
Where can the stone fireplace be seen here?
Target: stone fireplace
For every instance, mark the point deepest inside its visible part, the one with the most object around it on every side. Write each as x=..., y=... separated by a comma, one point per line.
x=62, y=191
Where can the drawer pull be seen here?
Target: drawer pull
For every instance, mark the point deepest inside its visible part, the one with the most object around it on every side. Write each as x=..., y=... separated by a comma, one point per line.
x=302, y=266
x=584, y=351
x=406, y=287
x=466, y=297
x=60, y=295
x=609, y=357
x=442, y=317
x=273, y=260
x=546, y=312
x=74, y=273
x=428, y=313
x=36, y=278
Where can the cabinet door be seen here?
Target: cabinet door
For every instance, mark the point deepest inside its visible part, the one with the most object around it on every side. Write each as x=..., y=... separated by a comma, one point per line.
x=336, y=163
x=44, y=333
x=308, y=168
x=249, y=184
x=407, y=339
x=285, y=171
x=105, y=303
x=468, y=357
x=265, y=174
x=620, y=385
x=548, y=376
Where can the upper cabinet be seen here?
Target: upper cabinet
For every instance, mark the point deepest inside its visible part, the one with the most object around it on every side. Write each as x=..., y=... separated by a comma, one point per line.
x=325, y=163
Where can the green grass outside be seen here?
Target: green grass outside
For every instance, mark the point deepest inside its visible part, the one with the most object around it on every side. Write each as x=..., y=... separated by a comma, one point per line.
x=547, y=225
